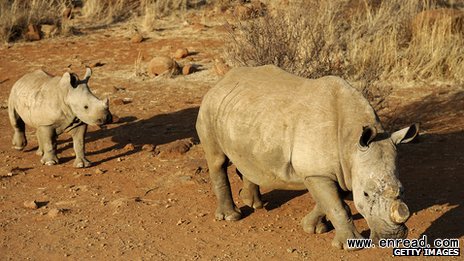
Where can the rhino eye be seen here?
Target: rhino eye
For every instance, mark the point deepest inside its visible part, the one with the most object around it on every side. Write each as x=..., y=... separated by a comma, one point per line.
x=366, y=195
x=86, y=107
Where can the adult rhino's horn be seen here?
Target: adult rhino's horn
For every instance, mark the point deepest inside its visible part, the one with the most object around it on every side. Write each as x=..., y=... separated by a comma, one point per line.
x=392, y=191
x=399, y=212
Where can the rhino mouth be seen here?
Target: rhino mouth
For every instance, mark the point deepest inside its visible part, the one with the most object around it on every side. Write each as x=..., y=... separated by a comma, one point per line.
x=106, y=120
x=400, y=232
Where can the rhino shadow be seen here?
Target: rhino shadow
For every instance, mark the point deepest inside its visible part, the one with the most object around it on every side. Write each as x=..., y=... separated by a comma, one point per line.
x=432, y=170
x=159, y=129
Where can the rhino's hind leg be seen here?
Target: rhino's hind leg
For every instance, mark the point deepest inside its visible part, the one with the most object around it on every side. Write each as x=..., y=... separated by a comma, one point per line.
x=19, y=137
x=325, y=193
x=316, y=222
x=47, y=142
x=250, y=194
x=217, y=164
x=78, y=136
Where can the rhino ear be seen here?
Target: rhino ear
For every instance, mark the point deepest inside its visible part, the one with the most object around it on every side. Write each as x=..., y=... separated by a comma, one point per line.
x=405, y=135
x=70, y=79
x=88, y=73
x=367, y=136
x=74, y=81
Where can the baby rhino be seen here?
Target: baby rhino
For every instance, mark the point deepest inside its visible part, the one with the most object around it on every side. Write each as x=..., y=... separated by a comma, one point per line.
x=55, y=105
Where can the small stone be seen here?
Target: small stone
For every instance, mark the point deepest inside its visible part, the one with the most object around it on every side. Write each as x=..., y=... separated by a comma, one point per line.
x=243, y=12
x=137, y=38
x=127, y=100
x=99, y=171
x=129, y=147
x=162, y=65
x=291, y=250
x=178, y=147
x=33, y=33
x=198, y=26
x=220, y=67
x=188, y=69
x=148, y=147
x=118, y=102
x=49, y=30
x=54, y=212
x=31, y=204
x=181, y=53
x=96, y=64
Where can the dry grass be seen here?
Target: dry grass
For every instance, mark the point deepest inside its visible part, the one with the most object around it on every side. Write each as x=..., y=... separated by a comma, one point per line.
x=138, y=68
x=315, y=38
x=109, y=11
x=155, y=9
x=16, y=15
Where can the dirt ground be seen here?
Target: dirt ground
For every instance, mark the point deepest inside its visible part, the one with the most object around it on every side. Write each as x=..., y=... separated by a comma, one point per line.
x=136, y=204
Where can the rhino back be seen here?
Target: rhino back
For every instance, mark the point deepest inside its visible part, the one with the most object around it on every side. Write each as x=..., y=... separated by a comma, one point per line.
x=278, y=128
x=38, y=99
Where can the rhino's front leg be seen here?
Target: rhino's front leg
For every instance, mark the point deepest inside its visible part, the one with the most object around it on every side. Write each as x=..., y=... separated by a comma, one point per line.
x=325, y=193
x=78, y=136
x=226, y=209
x=46, y=137
x=316, y=222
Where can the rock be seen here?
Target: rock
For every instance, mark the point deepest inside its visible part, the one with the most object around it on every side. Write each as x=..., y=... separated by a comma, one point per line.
x=188, y=69
x=148, y=147
x=31, y=204
x=258, y=8
x=198, y=26
x=33, y=33
x=162, y=65
x=444, y=16
x=96, y=64
x=120, y=202
x=49, y=30
x=137, y=38
x=181, y=53
x=122, y=101
x=118, y=102
x=129, y=147
x=220, y=67
x=99, y=171
x=54, y=212
x=177, y=147
x=242, y=12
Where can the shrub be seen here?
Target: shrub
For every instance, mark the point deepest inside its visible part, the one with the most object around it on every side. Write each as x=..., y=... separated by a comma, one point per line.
x=109, y=11
x=16, y=15
x=361, y=41
x=155, y=9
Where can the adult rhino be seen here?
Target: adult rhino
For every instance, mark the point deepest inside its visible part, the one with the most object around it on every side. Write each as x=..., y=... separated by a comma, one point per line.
x=286, y=132
x=54, y=105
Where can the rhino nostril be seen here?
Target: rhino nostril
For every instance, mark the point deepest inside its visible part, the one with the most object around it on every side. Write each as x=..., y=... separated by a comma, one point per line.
x=109, y=118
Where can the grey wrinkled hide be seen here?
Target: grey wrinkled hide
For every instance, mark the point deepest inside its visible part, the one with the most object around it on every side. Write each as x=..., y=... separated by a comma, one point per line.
x=286, y=132
x=54, y=105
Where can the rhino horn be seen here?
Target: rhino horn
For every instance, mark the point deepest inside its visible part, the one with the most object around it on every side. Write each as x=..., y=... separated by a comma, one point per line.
x=392, y=191
x=399, y=212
